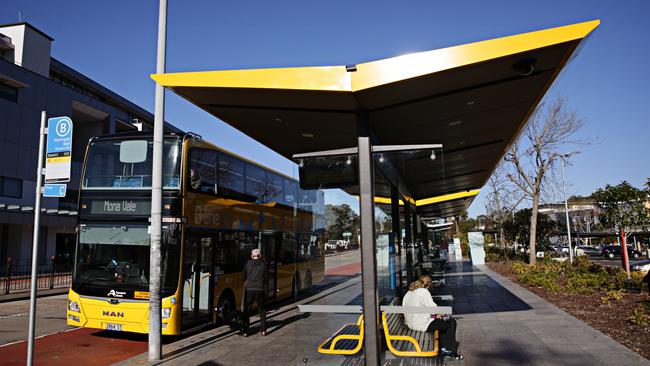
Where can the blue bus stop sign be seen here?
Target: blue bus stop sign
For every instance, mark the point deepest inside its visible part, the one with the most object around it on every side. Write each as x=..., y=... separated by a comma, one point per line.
x=59, y=150
x=54, y=190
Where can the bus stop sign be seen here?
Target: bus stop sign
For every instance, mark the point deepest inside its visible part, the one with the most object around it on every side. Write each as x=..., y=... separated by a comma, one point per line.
x=54, y=190
x=59, y=150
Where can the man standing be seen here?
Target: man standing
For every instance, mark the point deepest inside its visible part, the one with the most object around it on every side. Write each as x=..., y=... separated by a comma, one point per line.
x=255, y=283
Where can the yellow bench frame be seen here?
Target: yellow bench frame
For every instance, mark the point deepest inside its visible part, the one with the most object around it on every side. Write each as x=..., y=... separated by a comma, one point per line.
x=331, y=350
x=418, y=350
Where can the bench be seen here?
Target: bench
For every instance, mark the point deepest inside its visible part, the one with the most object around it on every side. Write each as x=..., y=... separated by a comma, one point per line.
x=346, y=341
x=403, y=341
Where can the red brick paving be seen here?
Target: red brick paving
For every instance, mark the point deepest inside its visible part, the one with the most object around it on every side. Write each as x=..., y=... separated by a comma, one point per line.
x=77, y=347
x=348, y=269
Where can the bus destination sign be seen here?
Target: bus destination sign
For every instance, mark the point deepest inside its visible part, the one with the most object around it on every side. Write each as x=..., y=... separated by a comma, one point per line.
x=120, y=207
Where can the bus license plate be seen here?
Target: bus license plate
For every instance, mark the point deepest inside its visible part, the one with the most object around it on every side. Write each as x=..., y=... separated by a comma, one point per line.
x=116, y=327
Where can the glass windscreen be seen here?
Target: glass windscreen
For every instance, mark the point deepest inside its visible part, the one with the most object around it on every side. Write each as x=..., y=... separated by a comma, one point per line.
x=127, y=164
x=118, y=255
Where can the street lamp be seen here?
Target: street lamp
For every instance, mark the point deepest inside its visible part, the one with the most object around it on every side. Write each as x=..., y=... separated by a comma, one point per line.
x=563, y=157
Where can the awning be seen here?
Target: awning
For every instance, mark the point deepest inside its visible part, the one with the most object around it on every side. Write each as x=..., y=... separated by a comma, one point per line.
x=474, y=99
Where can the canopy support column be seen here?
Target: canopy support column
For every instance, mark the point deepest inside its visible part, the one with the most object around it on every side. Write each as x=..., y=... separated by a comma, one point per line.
x=397, y=231
x=368, y=256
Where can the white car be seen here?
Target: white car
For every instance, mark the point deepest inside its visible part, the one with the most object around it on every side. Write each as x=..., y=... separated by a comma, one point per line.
x=641, y=266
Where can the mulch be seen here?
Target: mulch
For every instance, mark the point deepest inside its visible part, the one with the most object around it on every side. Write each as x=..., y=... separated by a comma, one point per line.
x=610, y=318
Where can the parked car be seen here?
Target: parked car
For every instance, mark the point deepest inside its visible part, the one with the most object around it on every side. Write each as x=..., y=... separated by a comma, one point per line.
x=641, y=266
x=331, y=245
x=336, y=245
x=611, y=251
x=587, y=250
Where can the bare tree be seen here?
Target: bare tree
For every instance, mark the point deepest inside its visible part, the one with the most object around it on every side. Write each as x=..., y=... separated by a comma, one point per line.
x=533, y=155
x=502, y=199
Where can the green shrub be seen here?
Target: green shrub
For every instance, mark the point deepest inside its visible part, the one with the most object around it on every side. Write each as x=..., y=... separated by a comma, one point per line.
x=638, y=317
x=579, y=277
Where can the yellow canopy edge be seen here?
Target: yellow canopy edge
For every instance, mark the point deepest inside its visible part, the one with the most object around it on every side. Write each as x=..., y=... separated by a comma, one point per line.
x=381, y=72
x=430, y=200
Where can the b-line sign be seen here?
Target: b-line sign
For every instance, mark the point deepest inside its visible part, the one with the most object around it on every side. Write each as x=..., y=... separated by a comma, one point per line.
x=59, y=150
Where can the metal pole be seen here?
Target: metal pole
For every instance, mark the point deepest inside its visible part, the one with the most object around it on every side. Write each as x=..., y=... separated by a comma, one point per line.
x=37, y=223
x=566, y=211
x=368, y=257
x=155, y=344
x=397, y=232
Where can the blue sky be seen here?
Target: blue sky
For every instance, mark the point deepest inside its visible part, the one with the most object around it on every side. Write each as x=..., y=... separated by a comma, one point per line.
x=114, y=43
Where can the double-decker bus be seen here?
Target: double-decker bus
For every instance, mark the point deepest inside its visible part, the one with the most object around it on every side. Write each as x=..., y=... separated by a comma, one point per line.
x=217, y=207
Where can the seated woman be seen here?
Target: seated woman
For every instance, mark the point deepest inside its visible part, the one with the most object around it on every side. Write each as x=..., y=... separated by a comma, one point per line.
x=418, y=295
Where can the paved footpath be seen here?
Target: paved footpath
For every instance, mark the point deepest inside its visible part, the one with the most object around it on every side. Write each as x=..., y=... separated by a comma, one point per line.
x=500, y=323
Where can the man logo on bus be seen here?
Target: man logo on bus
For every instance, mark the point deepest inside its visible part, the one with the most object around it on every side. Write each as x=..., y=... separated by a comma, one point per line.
x=116, y=293
x=117, y=314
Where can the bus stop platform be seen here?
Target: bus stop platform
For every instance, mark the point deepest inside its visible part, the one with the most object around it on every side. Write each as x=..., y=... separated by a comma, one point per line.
x=499, y=323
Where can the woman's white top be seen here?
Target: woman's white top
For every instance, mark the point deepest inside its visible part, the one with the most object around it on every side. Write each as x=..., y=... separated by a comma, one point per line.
x=418, y=297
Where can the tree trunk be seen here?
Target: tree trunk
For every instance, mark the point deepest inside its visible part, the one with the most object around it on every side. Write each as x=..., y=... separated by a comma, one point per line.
x=533, y=230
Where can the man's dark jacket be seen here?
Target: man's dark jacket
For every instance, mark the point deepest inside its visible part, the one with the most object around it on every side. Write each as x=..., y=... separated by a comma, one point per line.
x=255, y=275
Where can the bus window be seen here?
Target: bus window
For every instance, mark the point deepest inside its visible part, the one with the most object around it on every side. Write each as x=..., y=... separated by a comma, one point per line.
x=290, y=192
x=106, y=168
x=256, y=183
x=231, y=174
x=274, y=182
x=287, y=253
x=202, y=176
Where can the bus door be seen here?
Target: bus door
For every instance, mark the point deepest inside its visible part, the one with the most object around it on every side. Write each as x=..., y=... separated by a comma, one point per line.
x=270, y=255
x=197, y=279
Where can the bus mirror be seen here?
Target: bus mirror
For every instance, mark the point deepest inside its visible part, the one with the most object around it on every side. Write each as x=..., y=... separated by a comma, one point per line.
x=134, y=151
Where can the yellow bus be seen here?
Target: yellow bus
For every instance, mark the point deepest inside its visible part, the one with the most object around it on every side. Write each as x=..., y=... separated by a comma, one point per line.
x=217, y=207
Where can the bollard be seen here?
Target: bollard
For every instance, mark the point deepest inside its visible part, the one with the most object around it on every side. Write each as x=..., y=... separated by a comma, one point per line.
x=53, y=262
x=8, y=276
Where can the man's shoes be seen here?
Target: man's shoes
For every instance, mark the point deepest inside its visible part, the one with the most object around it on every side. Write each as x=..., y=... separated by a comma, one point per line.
x=450, y=355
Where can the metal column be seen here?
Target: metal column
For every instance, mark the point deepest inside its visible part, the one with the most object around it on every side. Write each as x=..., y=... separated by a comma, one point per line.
x=368, y=256
x=408, y=241
x=397, y=232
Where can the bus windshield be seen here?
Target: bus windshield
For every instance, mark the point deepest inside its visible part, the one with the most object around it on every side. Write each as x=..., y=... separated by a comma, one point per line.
x=118, y=255
x=126, y=164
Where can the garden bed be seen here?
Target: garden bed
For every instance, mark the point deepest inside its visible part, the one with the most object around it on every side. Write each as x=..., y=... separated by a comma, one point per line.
x=611, y=312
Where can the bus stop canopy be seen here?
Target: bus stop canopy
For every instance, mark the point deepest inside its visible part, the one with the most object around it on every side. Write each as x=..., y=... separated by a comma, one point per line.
x=474, y=99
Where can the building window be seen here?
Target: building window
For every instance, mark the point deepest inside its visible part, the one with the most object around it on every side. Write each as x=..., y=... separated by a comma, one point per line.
x=9, y=93
x=10, y=187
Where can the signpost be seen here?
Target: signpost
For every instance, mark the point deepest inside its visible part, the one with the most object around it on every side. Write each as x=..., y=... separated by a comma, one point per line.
x=59, y=157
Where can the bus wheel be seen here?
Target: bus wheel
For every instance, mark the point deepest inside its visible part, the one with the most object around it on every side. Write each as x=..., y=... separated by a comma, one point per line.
x=226, y=308
x=295, y=289
x=308, y=281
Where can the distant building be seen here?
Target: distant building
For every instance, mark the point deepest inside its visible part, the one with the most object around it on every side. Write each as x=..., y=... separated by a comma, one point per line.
x=32, y=81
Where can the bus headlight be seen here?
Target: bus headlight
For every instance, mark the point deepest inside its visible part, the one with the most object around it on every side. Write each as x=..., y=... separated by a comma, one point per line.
x=166, y=313
x=73, y=306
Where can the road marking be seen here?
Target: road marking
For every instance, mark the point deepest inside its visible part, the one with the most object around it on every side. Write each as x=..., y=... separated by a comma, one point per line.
x=12, y=316
x=41, y=336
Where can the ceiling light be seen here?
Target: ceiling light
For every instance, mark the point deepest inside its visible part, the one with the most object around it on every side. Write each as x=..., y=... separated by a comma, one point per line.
x=433, y=155
x=381, y=158
x=309, y=135
x=349, y=161
x=461, y=142
x=301, y=163
x=471, y=102
x=278, y=119
x=455, y=123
